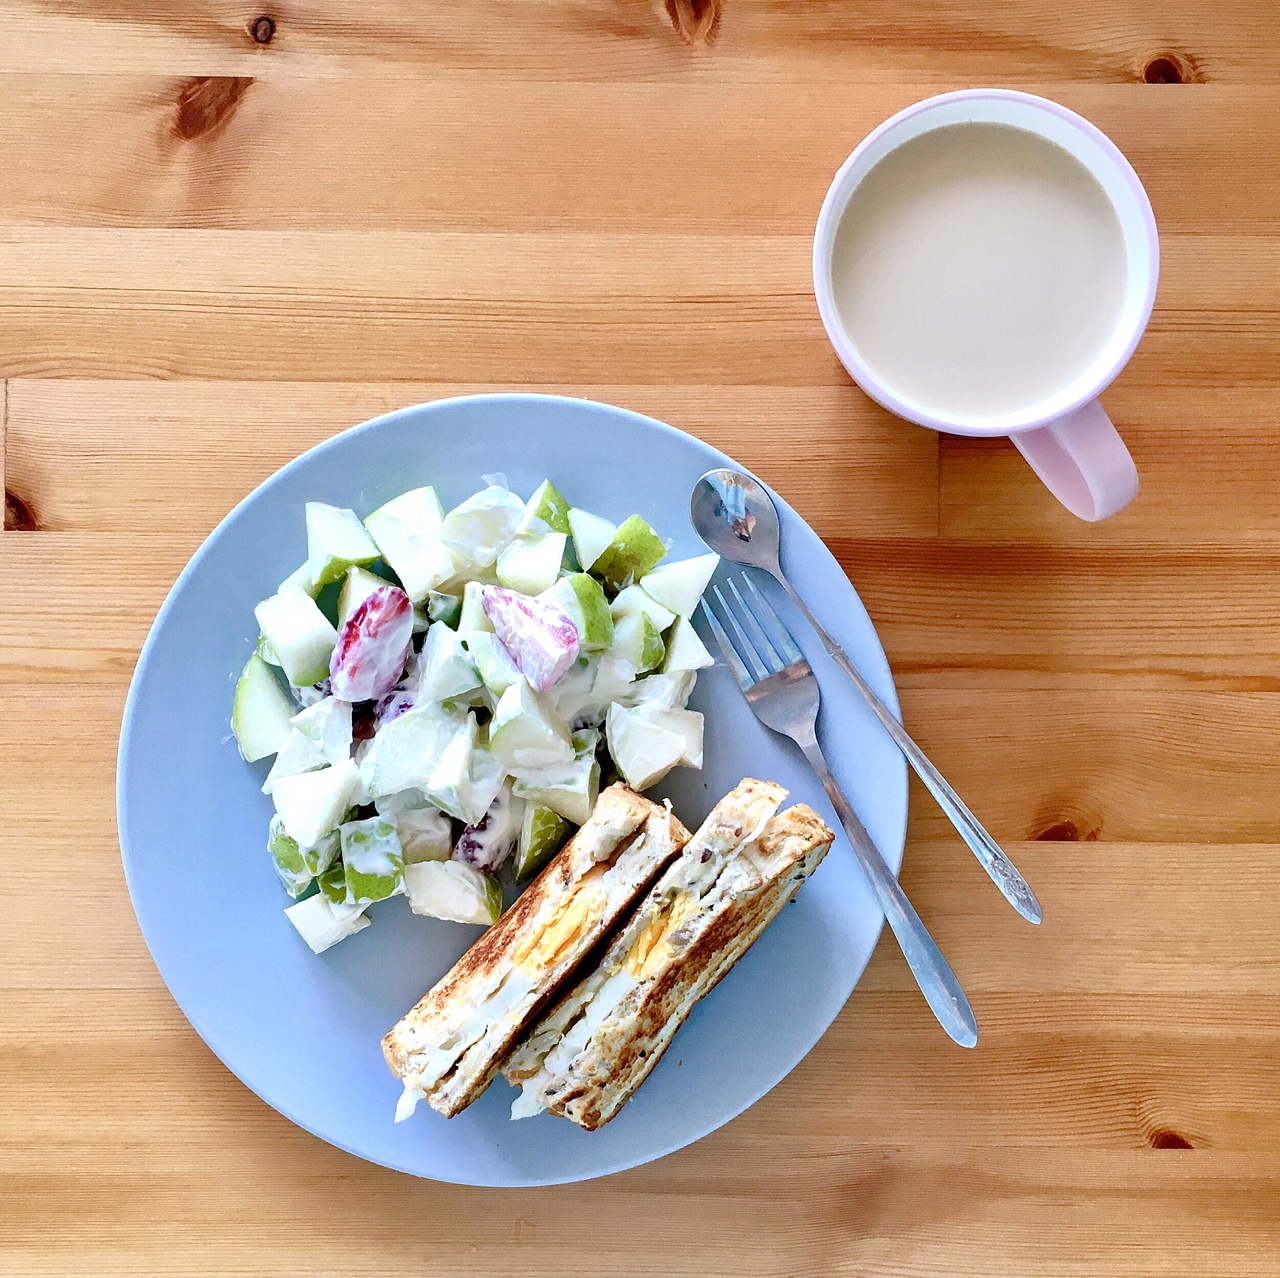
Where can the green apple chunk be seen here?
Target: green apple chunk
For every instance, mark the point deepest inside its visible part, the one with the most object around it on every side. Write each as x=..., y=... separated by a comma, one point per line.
x=545, y=511
x=298, y=754
x=426, y=834
x=637, y=642
x=327, y=725
x=531, y=563
x=336, y=539
x=666, y=691
x=473, y=617
x=644, y=752
x=372, y=859
x=322, y=924
x=447, y=609
x=332, y=882
x=678, y=586
x=407, y=532
x=526, y=732
x=287, y=857
x=542, y=834
x=633, y=552
x=497, y=671
x=480, y=528
x=312, y=804
x=453, y=891
x=260, y=711
x=357, y=586
x=637, y=599
x=266, y=651
x=684, y=723
x=443, y=669
x=685, y=649
x=591, y=536
x=404, y=753
x=569, y=789
x=301, y=635
x=582, y=597
x=301, y=579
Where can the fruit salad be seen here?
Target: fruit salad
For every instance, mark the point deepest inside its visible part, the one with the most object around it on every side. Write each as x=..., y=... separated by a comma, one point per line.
x=440, y=694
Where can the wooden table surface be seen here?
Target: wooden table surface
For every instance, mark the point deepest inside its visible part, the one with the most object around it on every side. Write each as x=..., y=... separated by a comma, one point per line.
x=227, y=233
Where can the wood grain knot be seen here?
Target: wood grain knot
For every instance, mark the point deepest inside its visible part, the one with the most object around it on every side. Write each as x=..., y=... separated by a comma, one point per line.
x=1067, y=831
x=1162, y=1138
x=262, y=29
x=18, y=516
x=696, y=21
x=1171, y=68
x=206, y=103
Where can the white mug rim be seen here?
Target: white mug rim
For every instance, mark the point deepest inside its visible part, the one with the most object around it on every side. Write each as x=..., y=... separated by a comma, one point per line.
x=1037, y=415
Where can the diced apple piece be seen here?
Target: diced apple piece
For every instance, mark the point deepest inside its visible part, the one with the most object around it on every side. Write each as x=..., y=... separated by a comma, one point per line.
x=666, y=691
x=453, y=891
x=446, y=609
x=336, y=540
x=426, y=834
x=636, y=599
x=543, y=833
x=260, y=711
x=526, y=732
x=493, y=662
x=633, y=552
x=407, y=532
x=644, y=752
x=678, y=586
x=545, y=511
x=449, y=785
x=357, y=586
x=540, y=636
x=371, y=650
x=404, y=753
x=480, y=528
x=322, y=924
x=580, y=595
x=287, y=857
x=443, y=670
x=301, y=635
x=685, y=649
x=685, y=723
x=312, y=804
x=372, y=860
x=592, y=536
x=532, y=562
x=569, y=789
x=473, y=617
x=637, y=642
x=487, y=843
x=301, y=579
x=327, y=725
x=298, y=754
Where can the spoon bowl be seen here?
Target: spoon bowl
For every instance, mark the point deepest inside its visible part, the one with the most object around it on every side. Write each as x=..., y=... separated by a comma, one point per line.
x=733, y=513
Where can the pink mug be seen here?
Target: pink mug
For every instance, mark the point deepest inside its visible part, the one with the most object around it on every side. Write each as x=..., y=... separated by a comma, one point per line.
x=1068, y=439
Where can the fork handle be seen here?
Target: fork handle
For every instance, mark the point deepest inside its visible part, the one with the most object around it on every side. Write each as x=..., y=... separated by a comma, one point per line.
x=933, y=973
x=1004, y=874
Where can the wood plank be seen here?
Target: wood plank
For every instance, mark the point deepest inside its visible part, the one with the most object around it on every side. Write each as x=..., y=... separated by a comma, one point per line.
x=556, y=308
x=755, y=40
x=486, y=154
x=185, y=453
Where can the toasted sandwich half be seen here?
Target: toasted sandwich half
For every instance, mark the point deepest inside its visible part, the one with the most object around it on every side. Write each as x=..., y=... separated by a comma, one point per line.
x=449, y=1046
x=587, y=1056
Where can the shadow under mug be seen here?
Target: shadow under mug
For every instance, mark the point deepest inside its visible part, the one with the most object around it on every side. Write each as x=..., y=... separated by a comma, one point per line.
x=1068, y=439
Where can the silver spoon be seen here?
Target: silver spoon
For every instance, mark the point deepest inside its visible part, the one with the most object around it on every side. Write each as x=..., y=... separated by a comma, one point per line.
x=734, y=514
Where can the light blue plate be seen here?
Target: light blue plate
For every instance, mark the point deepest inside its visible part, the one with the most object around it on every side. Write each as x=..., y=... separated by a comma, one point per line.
x=304, y=1031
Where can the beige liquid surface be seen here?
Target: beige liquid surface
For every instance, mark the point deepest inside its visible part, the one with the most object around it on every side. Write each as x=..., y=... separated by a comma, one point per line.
x=978, y=269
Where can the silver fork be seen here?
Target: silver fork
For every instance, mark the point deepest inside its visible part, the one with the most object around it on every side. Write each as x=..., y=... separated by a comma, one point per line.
x=783, y=694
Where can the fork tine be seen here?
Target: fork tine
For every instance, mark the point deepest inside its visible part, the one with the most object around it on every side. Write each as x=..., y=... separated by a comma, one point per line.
x=760, y=640
x=778, y=628
x=740, y=671
x=746, y=651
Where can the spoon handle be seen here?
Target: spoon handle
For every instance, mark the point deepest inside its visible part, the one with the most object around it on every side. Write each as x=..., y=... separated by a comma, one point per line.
x=1004, y=874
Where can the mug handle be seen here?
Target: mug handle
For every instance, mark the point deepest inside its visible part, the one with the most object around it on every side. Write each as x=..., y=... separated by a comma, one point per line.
x=1083, y=462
